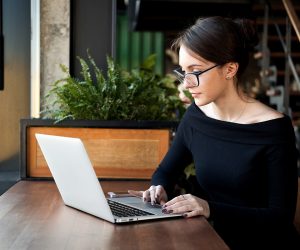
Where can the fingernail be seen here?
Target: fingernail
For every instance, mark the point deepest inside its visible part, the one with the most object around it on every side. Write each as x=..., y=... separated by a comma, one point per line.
x=165, y=211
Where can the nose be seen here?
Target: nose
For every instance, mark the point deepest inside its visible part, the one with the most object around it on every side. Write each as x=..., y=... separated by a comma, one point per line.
x=186, y=85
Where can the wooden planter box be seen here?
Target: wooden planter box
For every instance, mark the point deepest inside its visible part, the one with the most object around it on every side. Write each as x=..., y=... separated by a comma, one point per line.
x=117, y=149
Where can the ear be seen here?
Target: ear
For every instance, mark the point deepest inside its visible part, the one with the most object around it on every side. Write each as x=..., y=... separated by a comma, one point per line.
x=231, y=70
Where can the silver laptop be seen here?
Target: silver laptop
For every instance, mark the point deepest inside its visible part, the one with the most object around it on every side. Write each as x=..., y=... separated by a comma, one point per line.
x=80, y=188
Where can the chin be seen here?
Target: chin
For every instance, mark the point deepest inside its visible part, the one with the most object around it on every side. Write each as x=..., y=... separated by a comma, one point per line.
x=200, y=102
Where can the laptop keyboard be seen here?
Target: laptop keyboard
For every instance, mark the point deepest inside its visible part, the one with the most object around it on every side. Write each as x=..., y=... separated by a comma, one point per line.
x=122, y=210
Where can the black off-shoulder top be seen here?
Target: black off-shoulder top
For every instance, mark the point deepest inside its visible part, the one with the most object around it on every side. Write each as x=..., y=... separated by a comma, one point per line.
x=246, y=172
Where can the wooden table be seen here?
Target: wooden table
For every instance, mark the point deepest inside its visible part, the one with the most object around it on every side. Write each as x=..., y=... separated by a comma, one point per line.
x=33, y=216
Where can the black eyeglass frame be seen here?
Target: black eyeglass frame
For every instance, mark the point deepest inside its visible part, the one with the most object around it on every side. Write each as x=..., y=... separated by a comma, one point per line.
x=195, y=73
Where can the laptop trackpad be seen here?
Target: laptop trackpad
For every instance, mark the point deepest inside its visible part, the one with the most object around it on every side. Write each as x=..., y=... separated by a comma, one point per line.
x=138, y=203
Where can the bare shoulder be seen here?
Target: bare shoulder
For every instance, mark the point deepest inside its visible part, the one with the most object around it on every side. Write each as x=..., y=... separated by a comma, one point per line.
x=259, y=112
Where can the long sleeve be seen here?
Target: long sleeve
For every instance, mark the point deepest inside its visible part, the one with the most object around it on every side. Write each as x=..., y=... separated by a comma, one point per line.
x=173, y=164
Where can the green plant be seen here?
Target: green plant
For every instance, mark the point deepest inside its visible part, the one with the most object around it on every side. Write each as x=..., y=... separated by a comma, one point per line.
x=139, y=94
x=190, y=170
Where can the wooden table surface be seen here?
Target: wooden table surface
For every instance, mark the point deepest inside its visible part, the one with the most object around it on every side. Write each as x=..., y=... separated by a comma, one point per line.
x=33, y=216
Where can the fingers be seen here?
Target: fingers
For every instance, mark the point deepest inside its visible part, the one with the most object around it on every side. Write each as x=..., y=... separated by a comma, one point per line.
x=142, y=194
x=193, y=213
x=178, y=199
x=188, y=205
x=146, y=195
x=155, y=194
x=136, y=193
x=161, y=195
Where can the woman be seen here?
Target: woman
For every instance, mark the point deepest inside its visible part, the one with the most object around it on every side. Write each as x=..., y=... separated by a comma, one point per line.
x=244, y=152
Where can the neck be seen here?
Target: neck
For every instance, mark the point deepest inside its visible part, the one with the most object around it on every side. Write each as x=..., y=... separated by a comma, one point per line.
x=230, y=109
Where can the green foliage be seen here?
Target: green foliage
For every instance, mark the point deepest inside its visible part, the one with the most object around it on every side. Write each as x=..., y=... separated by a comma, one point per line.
x=120, y=95
x=190, y=170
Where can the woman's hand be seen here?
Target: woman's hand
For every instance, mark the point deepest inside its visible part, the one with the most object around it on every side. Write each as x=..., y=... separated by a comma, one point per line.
x=188, y=205
x=155, y=194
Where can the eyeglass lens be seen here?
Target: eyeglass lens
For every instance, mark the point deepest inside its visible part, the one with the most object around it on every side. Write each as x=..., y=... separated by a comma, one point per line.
x=191, y=79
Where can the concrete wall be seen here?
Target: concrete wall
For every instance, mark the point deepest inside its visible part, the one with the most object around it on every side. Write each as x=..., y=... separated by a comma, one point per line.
x=55, y=40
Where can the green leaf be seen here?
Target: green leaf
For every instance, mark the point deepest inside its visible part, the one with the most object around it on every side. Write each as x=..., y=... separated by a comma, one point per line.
x=139, y=94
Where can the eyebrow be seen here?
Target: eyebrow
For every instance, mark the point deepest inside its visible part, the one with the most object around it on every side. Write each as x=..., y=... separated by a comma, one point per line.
x=193, y=65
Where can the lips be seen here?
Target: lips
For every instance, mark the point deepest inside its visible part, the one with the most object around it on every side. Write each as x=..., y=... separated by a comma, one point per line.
x=195, y=94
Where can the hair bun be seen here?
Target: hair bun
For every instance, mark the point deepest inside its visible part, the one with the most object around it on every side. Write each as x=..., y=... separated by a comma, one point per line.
x=248, y=31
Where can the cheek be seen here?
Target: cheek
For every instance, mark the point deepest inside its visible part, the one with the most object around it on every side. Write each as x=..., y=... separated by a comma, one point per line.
x=211, y=86
x=214, y=89
x=210, y=90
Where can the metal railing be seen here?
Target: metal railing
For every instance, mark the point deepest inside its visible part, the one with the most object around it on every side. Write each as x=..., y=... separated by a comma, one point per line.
x=289, y=65
x=291, y=18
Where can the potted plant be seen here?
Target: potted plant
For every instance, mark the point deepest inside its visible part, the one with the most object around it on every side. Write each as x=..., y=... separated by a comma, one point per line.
x=136, y=95
x=125, y=119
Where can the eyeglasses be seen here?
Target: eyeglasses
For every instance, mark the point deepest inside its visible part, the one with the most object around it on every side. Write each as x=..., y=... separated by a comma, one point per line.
x=192, y=78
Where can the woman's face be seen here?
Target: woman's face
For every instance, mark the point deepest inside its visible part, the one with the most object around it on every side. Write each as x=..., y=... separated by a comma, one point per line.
x=212, y=83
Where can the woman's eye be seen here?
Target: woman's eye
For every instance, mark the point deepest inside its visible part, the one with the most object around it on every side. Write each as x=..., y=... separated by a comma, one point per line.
x=196, y=70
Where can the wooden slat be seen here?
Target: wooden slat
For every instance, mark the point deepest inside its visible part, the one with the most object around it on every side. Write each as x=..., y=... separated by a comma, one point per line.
x=114, y=153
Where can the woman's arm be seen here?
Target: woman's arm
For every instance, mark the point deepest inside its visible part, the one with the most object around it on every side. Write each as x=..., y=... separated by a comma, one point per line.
x=174, y=162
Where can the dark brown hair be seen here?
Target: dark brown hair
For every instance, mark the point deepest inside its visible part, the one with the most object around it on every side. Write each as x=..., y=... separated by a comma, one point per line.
x=220, y=40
